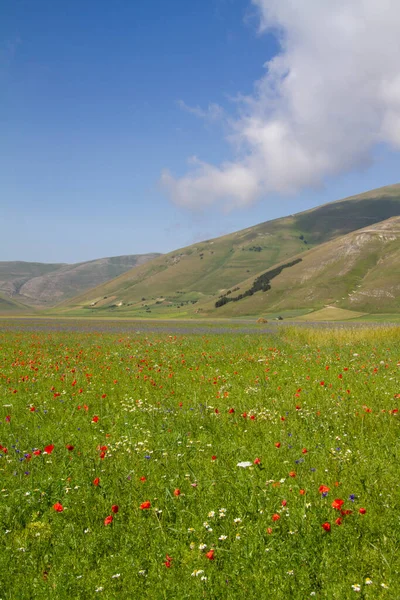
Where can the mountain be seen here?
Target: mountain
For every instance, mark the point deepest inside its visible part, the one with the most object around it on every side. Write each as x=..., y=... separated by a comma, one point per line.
x=189, y=281
x=359, y=272
x=11, y=307
x=41, y=285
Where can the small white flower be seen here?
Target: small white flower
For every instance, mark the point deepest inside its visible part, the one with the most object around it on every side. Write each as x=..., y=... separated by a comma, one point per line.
x=203, y=578
x=238, y=536
x=211, y=514
x=202, y=546
x=385, y=587
x=116, y=576
x=197, y=572
x=244, y=464
x=290, y=572
x=222, y=537
x=99, y=589
x=237, y=520
x=191, y=530
x=142, y=572
x=192, y=545
x=356, y=587
x=368, y=581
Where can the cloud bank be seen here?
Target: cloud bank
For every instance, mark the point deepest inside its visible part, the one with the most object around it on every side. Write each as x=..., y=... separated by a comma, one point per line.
x=324, y=102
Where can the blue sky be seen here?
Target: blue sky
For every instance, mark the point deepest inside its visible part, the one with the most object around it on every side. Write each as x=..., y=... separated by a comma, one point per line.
x=99, y=98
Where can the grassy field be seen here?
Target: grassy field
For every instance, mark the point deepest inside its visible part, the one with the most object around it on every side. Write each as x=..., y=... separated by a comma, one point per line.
x=154, y=465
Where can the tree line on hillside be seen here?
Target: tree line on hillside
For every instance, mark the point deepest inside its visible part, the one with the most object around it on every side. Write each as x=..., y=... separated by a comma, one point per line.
x=261, y=283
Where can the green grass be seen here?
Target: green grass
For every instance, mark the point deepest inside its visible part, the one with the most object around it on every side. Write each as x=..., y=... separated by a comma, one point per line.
x=176, y=414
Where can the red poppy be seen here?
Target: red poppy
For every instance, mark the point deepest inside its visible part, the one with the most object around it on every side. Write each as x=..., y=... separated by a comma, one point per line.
x=102, y=455
x=346, y=512
x=177, y=492
x=58, y=507
x=302, y=492
x=69, y=447
x=269, y=530
x=95, y=419
x=252, y=418
x=96, y=481
x=339, y=521
x=337, y=504
x=37, y=452
x=48, y=449
x=104, y=395
x=143, y=478
x=210, y=554
x=145, y=505
x=277, y=444
x=231, y=411
x=304, y=451
x=276, y=517
x=284, y=502
x=326, y=526
x=108, y=520
x=323, y=489
x=292, y=474
x=362, y=511
x=115, y=508
x=213, y=457
x=244, y=415
x=257, y=461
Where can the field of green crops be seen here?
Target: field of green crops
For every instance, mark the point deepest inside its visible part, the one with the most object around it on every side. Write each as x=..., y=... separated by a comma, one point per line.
x=149, y=465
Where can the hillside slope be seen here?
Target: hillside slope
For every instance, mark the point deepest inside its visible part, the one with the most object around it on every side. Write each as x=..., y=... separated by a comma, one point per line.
x=40, y=285
x=184, y=281
x=10, y=307
x=359, y=271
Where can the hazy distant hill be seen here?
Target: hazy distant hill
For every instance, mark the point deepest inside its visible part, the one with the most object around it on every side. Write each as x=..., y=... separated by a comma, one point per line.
x=11, y=307
x=38, y=284
x=188, y=281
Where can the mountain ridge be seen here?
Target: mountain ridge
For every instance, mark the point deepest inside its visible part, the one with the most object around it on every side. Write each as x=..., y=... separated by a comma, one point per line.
x=188, y=280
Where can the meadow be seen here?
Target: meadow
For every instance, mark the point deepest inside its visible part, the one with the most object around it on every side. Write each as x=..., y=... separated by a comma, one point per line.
x=159, y=465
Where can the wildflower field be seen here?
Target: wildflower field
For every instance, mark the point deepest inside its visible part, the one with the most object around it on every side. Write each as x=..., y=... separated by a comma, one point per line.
x=149, y=465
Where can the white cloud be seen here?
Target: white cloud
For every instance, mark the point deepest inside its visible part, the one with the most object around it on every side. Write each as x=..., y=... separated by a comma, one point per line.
x=213, y=112
x=324, y=102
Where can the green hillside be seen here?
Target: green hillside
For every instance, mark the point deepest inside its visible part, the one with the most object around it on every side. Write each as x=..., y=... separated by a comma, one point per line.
x=188, y=281
x=358, y=272
x=11, y=307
